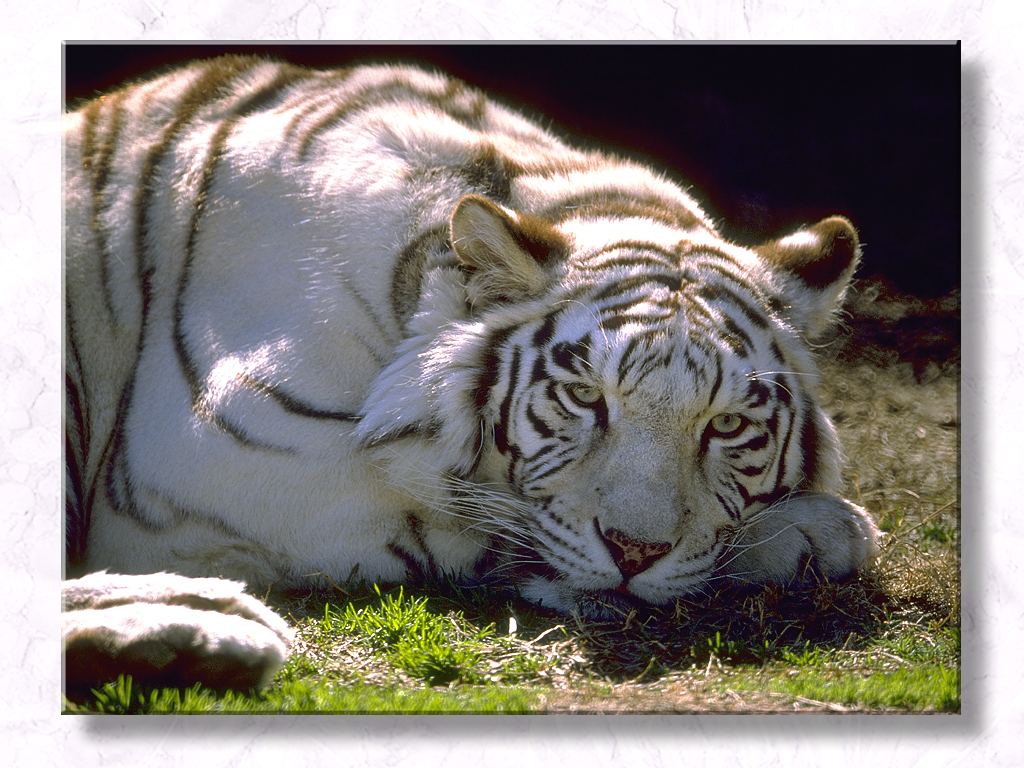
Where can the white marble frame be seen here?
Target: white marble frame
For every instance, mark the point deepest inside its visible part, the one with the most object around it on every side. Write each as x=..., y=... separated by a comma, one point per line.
x=993, y=280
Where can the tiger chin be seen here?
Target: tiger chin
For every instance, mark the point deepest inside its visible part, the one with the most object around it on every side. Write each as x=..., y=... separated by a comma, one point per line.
x=370, y=323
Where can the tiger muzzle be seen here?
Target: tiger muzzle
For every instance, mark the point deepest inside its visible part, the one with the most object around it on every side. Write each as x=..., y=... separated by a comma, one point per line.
x=632, y=556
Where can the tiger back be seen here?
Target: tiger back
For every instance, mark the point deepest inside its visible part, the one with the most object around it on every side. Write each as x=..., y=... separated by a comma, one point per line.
x=369, y=323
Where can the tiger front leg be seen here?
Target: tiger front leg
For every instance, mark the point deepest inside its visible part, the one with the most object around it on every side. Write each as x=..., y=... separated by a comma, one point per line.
x=801, y=537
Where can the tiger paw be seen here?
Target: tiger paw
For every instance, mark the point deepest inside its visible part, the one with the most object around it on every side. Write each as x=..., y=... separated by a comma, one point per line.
x=814, y=534
x=167, y=630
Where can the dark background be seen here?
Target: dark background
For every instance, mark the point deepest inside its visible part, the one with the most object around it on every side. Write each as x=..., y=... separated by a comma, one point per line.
x=770, y=136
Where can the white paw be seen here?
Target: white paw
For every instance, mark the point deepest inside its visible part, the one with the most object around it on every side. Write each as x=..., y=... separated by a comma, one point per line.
x=828, y=534
x=168, y=630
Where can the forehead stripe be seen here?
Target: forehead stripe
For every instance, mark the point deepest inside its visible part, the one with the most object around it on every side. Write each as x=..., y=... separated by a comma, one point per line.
x=717, y=292
x=648, y=256
x=672, y=282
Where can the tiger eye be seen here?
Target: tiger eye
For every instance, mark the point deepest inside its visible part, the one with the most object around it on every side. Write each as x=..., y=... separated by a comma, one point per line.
x=584, y=394
x=728, y=424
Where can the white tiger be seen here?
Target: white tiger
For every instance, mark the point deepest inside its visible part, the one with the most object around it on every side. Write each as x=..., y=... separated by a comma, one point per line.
x=367, y=323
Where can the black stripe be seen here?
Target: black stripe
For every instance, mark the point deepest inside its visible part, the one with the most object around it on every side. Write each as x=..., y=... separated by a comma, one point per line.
x=782, y=455
x=410, y=267
x=696, y=309
x=490, y=366
x=300, y=408
x=539, y=425
x=98, y=165
x=321, y=93
x=758, y=393
x=751, y=470
x=202, y=92
x=190, y=104
x=711, y=548
x=546, y=331
x=671, y=304
x=810, y=441
x=717, y=292
x=656, y=355
x=551, y=393
x=283, y=79
x=619, y=321
x=717, y=383
x=707, y=256
x=573, y=356
x=553, y=468
x=744, y=494
x=399, y=90
x=415, y=527
x=198, y=95
x=240, y=436
x=672, y=282
x=693, y=366
x=579, y=557
x=736, y=337
x=624, y=361
x=553, y=451
x=534, y=458
x=539, y=372
x=730, y=509
x=621, y=262
x=756, y=443
x=505, y=409
x=615, y=202
x=119, y=490
x=600, y=409
x=340, y=111
x=783, y=393
x=643, y=259
x=369, y=309
x=701, y=342
x=76, y=512
x=642, y=368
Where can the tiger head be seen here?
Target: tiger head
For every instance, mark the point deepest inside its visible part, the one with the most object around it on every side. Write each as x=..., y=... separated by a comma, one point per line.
x=637, y=393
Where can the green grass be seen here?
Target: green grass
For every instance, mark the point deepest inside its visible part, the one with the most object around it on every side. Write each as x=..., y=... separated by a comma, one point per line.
x=928, y=688
x=911, y=668
x=846, y=646
x=437, y=649
x=304, y=697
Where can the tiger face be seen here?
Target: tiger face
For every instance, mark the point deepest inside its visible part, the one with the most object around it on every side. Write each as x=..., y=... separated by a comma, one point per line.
x=639, y=455
x=639, y=399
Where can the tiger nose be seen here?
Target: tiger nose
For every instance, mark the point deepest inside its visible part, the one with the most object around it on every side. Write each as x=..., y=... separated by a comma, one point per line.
x=632, y=556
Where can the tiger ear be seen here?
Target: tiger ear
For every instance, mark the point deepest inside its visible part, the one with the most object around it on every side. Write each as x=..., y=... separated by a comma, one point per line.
x=816, y=263
x=505, y=254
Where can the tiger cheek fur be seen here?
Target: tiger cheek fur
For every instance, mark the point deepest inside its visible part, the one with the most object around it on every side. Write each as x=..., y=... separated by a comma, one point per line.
x=369, y=322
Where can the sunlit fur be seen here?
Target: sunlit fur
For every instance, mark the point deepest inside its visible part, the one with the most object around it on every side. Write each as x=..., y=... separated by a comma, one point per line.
x=368, y=323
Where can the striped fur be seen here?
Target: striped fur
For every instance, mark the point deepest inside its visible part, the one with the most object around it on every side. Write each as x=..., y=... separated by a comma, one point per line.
x=368, y=323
